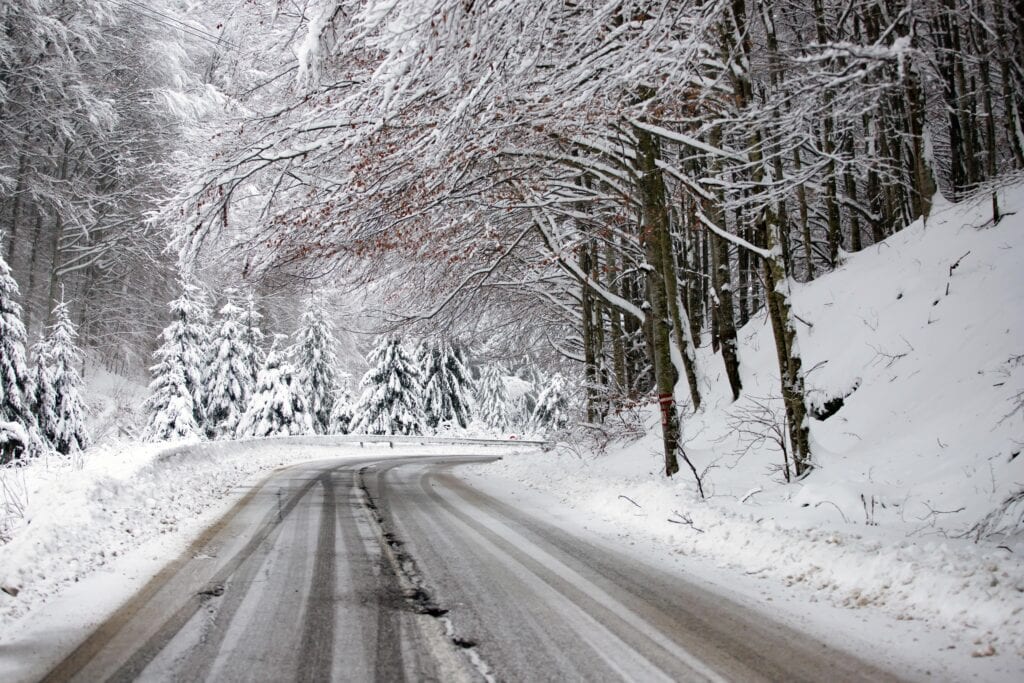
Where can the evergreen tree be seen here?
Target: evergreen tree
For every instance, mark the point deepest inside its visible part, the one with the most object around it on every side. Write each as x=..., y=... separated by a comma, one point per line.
x=278, y=406
x=552, y=410
x=494, y=407
x=229, y=383
x=342, y=411
x=188, y=338
x=42, y=401
x=317, y=361
x=447, y=386
x=57, y=400
x=171, y=413
x=427, y=358
x=178, y=374
x=254, y=355
x=19, y=432
x=390, y=402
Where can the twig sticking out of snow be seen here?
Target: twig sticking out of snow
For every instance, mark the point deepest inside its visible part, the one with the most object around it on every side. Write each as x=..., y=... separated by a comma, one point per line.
x=685, y=520
x=1006, y=519
x=631, y=501
x=838, y=509
x=869, y=514
x=750, y=493
x=956, y=263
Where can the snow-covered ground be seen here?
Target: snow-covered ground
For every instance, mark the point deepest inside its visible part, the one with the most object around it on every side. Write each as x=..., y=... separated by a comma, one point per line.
x=903, y=517
x=901, y=526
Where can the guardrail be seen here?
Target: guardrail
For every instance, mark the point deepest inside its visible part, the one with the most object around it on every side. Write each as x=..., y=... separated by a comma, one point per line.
x=205, y=448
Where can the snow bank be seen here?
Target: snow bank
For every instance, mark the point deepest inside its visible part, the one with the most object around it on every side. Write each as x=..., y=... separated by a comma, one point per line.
x=910, y=507
x=68, y=517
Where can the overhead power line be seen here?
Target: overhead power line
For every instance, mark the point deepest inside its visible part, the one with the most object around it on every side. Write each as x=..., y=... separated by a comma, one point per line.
x=171, y=22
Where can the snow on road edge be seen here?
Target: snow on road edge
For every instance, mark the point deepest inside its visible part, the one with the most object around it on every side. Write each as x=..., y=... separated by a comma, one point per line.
x=81, y=516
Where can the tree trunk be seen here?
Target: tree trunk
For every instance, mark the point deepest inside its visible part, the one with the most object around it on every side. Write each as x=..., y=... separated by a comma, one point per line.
x=615, y=322
x=726, y=325
x=16, y=204
x=655, y=232
x=589, y=334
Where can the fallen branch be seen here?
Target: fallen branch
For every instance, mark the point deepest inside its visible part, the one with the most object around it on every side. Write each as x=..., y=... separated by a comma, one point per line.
x=956, y=264
x=631, y=501
x=750, y=493
x=835, y=506
x=685, y=520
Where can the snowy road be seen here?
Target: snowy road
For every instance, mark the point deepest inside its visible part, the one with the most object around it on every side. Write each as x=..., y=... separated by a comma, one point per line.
x=392, y=568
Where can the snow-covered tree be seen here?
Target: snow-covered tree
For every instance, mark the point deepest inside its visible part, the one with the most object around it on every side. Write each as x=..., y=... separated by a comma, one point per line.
x=189, y=337
x=19, y=435
x=170, y=406
x=278, y=406
x=178, y=374
x=390, y=402
x=229, y=383
x=316, y=357
x=447, y=386
x=57, y=399
x=552, y=411
x=171, y=414
x=493, y=404
x=254, y=355
x=342, y=410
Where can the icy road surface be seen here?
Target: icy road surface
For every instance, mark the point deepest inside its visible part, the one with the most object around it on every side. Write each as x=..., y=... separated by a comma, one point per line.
x=392, y=568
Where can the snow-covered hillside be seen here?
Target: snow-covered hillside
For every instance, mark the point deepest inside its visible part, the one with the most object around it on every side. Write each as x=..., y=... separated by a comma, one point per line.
x=907, y=506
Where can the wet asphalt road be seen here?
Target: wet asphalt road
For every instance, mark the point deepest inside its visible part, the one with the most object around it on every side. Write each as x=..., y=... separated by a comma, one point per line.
x=393, y=569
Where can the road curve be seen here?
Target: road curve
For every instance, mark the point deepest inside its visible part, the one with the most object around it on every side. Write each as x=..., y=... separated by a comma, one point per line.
x=392, y=569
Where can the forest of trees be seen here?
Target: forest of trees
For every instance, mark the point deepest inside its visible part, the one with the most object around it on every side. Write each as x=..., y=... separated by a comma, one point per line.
x=602, y=186
x=214, y=379
x=634, y=178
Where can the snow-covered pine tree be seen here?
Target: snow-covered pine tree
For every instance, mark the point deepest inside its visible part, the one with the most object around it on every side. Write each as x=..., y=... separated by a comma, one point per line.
x=278, y=406
x=552, y=410
x=57, y=398
x=178, y=374
x=41, y=400
x=170, y=405
x=493, y=405
x=342, y=411
x=252, y=338
x=229, y=382
x=188, y=336
x=316, y=357
x=447, y=386
x=427, y=358
x=19, y=432
x=171, y=413
x=390, y=402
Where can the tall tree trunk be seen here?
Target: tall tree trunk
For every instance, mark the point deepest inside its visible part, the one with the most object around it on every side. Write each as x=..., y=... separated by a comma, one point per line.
x=589, y=337
x=923, y=184
x=726, y=325
x=991, y=145
x=33, y=265
x=832, y=216
x=615, y=321
x=850, y=186
x=16, y=204
x=777, y=284
x=58, y=236
x=777, y=280
x=655, y=231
